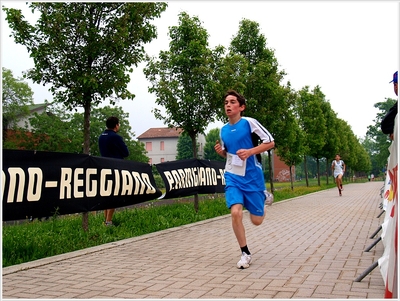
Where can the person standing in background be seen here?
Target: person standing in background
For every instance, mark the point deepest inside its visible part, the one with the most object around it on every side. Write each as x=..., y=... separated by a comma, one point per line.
x=387, y=123
x=112, y=145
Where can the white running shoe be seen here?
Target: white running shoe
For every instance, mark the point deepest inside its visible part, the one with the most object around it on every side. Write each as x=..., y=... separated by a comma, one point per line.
x=244, y=261
x=269, y=198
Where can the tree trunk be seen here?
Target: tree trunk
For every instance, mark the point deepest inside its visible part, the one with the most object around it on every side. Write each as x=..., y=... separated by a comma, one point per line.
x=196, y=203
x=194, y=148
x=271, y=171
x=291, y=177
x=305, y=170
x=86, y=150
x=327, y=172
x=5, y=128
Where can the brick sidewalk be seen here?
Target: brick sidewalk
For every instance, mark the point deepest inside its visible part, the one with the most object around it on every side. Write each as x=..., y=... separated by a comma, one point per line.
x=307, y=247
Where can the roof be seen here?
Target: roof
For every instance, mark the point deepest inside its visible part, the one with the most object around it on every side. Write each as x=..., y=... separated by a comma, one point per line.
x=37, y=106
x=164, y=132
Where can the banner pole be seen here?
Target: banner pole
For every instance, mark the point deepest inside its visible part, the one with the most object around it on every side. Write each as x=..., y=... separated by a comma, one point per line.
x=382, y=212
x=373, y=244
x=367, y=271
x=376, y=232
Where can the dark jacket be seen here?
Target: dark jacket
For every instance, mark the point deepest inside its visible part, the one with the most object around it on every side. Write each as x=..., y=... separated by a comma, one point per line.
x=112, y=145
x=387, y=123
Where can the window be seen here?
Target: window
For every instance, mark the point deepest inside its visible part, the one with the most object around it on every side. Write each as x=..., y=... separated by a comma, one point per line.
x=162, y=160
x=161, y=145
x=148, y=146
x=150, y=161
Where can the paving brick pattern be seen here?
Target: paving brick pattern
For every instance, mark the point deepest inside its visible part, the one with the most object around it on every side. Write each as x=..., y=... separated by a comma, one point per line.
x=308, y=247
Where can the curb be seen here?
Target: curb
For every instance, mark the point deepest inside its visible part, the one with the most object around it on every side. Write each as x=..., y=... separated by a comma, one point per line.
x=56, y=258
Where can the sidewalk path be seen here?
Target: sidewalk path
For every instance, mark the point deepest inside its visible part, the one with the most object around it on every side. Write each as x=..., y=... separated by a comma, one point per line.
x=308, y=247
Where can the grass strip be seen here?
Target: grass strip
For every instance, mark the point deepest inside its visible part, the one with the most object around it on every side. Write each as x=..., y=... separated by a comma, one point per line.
x=28, y=241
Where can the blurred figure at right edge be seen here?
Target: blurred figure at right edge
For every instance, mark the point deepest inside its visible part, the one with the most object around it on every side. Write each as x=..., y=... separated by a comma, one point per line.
x=387, y=123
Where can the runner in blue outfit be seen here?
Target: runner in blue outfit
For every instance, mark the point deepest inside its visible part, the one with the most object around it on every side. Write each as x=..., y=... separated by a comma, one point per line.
x=245, y=185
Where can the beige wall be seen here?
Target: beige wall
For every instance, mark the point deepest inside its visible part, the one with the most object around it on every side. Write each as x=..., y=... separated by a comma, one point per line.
x=170, y=148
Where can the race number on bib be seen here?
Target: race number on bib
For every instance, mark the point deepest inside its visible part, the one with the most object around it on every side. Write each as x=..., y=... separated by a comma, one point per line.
x=235, y=165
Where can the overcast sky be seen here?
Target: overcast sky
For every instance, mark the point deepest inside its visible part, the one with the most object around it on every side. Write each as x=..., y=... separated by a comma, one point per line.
x=348, y=48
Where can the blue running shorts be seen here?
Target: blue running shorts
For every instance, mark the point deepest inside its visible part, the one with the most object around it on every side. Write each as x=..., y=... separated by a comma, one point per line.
x=253, y=201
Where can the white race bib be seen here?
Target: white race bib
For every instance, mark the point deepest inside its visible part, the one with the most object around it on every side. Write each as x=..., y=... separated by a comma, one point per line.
x=235, y=165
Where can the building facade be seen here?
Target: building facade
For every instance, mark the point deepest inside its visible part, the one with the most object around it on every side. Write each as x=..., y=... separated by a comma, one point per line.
x=161, y=144
x=281, y=170
x=36, y=108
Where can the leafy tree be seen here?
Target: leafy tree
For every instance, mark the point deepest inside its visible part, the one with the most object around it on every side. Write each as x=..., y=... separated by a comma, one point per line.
x=251, y=44
x=350, y=149
x=368, y=145
x=347, y=144
x=86, y=50
x=312, y=122
x=52, y=131
x=60, y=131
x=308, y=169
x=184, y=147
x=183, y=80
x=362, y=163
x=17, y=96
x=230, y=72
x=209, y=151
x=317, y=150
x=291, y=147
x=332, y=137
x=379, y=142
x=259, y=80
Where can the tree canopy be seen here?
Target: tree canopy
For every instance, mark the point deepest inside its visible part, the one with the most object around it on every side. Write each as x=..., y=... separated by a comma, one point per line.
x=209, y=151
x=86, y=50
x=184, y=147
x=182, y=78
x=16, y=98
x=376, y=142
x=57, y=130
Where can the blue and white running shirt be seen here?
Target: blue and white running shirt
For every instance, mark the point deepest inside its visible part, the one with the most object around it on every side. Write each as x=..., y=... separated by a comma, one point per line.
x=239, y=136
